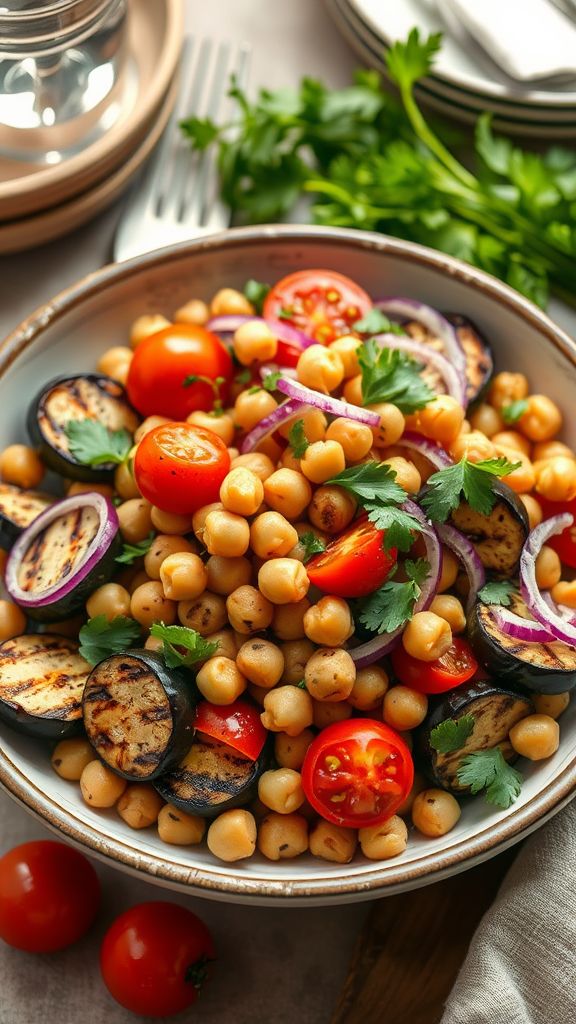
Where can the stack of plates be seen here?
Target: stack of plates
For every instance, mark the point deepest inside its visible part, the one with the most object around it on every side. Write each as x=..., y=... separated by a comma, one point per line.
x=465, y=83
x=39, y=202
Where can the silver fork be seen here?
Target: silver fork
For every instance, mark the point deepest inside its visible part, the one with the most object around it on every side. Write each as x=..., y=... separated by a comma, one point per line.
x=176, y=199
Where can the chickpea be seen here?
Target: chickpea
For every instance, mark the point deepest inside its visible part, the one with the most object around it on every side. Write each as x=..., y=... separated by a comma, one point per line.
x=226, y=534
x=148, y=604
x=272, y=536
x=70, y=757
x=435, y=812
x=524, y=477
x=288, y=492
x=80, y=487
x=296, y=654
x=352, y=390
x=320, y=368
x=404, y=708
x=548, y=568
x=110, y=600
x=550, y=449
x=232, y=835
x=332, y=509
x=153, y=643
x=248, y=610
x=220, y=680
x=161, y=548
x=450, y=608
x=487, y=420
x=261, y=662
x=383, y=841
x=314, y=424
x=222, y=424
x=287, y=709
x=322, y=460
x=535, y=737
x=178, y=828
x=230, y=302
x=183, y=576
x=289, y=751
x=514, y=440
x=449, y=572
x=427, y=636
x=283, y=580
x=137, y=580
x=227, y=574
x=281, y=790
x=21, y=465
x=256, y=462
x=269, y=446
x=135, y=519
x=169, y=522
x=146, y=325
x=370, y=685
x=347, y=346
x=556, y=479
x=330, y=674
x=226, y=641
x=100, y=787
x=507, y=388
x=250, y=409
x=139, y=806
x=283, y=836
x=206, y=614
x=407, y=476
x=326, y=713
x=332, y=842
x=329, y=622
x=200, y=516
x=564, y=593
x=242, y=492
x=542, y=419
x=195, y=311
x=551, y=704
x=474, y=446
x=354, y=438
x=12, y=620
x=148, y=424
x=253, y=341
x=288, y=620
x=441, y=420
x=125, y=482
x=533, y=508
x=114, y=362
x=391, y=427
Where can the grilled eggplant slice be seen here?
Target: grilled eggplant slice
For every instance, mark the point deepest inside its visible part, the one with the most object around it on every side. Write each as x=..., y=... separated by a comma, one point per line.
x=68, y=551
x=545, y=668
x=18, y=509
x=211, y=778
x=138, y=714
x=42, y=677
x=498, y=537
x=479, y=359
x=495, y=711
x=88, y=396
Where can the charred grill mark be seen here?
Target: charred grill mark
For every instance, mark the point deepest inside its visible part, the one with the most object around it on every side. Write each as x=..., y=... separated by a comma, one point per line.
x=150, y=759
x=160, y=714
x=43, y=677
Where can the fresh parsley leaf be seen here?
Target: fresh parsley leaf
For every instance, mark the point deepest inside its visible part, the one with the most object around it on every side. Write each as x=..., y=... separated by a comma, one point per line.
x=297, y=439
x=409, y=61
x=451, y=734
x=393, y=604
x=130, y=552
x=173, y=637
x=373, y=481
x=488, y=770
x=376, y=322
x=392, y=376
x=472, y=479
x=497, y=592
x=302, y=685
x=256, y=292
x=270, y=381
x=92, y=444
x=312, y=545
x=512, y=412
x=200, y=131
x=244, y=377
x=398, y=525
x=99, y=637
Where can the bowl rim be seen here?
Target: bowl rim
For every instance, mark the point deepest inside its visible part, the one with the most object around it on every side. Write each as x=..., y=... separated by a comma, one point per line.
x=205, y=880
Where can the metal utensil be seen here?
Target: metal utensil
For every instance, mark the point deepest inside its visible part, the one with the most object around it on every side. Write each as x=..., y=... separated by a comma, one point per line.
x=176, y=199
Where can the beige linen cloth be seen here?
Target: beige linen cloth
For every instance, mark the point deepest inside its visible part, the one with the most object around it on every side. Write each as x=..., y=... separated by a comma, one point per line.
x=521, y=966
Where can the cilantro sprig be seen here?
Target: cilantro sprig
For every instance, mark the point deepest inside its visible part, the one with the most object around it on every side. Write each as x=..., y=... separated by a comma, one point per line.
x=256, y=292
x=93, y=444
x=489, y=770
x=389, y=375
x=130, y=552
x=451, y=734
x=497, y=592
x=196, y=648
x=374, y=486
x=312, y=545
x=514, y=411
x=393, y=604
x=99, y=637
x=474, y=480
x=269, y=382
x=376, y=322
x=297, y=439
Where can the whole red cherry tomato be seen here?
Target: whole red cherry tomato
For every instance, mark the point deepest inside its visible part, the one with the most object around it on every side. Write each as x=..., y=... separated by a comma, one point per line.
x=455, y=667
x=179, y=467
x=160, y=379
x=354, y=564
x=154, y=958
x=237, y=724
x=321, y=303
x=49, y=896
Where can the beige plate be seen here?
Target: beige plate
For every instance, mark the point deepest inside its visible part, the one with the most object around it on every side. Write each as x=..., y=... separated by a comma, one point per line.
x=155, y=29
x=68, y=334
x=45, y=226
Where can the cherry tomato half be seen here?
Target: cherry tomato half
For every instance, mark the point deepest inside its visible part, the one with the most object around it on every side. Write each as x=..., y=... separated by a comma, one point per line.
x=49, y=896
x=321, y=303
x=179, y=467
x=455, y=667
x=564, y=544
x=154, y=958
x=357, y=773
x=162, y=364
x=237, y=724
x=354, y=564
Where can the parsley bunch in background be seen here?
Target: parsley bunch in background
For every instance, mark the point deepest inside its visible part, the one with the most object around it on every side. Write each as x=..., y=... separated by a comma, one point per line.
x=372, y=163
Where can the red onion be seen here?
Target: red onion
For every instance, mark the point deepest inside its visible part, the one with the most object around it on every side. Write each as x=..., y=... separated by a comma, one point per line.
x=333, y=406
x=378, y=646
x=284, y=411
x=436, y=455
x=286, y=371
x=518, y=628
x=467, y=555
x=453, y=379
x=433, y=321
x=543, y=610
x=283, y=331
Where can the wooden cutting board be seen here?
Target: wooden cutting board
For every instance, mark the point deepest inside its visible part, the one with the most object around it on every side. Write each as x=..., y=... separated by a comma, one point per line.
x=412, y=946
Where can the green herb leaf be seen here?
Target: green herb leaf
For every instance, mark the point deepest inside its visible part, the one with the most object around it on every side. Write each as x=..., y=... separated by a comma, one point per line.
x=256, y=292
x=512, y=412
x=372, y=481
x=196, y=647
x=398, y=525
x=497, y=592
x=130, y=552
x=452, y=733
x=244, y=377
x=409, y=61
x=297, y=439
x=488, y=770
x=302, y=685
x=376, y=322
x=312, y=545
x=99, y=638
x=92, y=444
x=474, y=480
x=393, y=604
x=392, y=376
x=270, y=381
x=202, y=132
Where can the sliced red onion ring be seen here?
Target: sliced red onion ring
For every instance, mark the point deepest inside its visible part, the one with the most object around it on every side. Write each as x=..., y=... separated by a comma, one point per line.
x=227, y=324
x=453, y=379
x=333, y=406
x=286, y=371
x=284, y=411
x=436, y=455
x=433, y=321
x=518, y=628
x=285, y=332
x=378, y=646
x=467, y=555
x=543, y=610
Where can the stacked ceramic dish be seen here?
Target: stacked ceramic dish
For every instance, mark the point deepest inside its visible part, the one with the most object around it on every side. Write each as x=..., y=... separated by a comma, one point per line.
x=465, y=82
x=40, y=201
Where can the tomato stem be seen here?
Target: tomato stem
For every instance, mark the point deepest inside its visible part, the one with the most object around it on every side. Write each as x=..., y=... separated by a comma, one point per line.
x=197, y=972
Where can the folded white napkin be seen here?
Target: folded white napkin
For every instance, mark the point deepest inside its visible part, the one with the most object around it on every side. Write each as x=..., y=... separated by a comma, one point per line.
x=529, y=39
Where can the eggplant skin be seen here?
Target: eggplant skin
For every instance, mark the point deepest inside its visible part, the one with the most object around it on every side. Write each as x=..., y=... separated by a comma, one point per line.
x=83, y=396
x=500, y=536
x=138, y=714
x=18, y=509
x=42, y=678
x=495, y=710
x=479, y=359
x=543, y=668
x=212, y=778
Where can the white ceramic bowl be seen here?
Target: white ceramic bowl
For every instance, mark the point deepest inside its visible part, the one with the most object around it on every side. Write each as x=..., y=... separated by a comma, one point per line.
x=70, y=332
